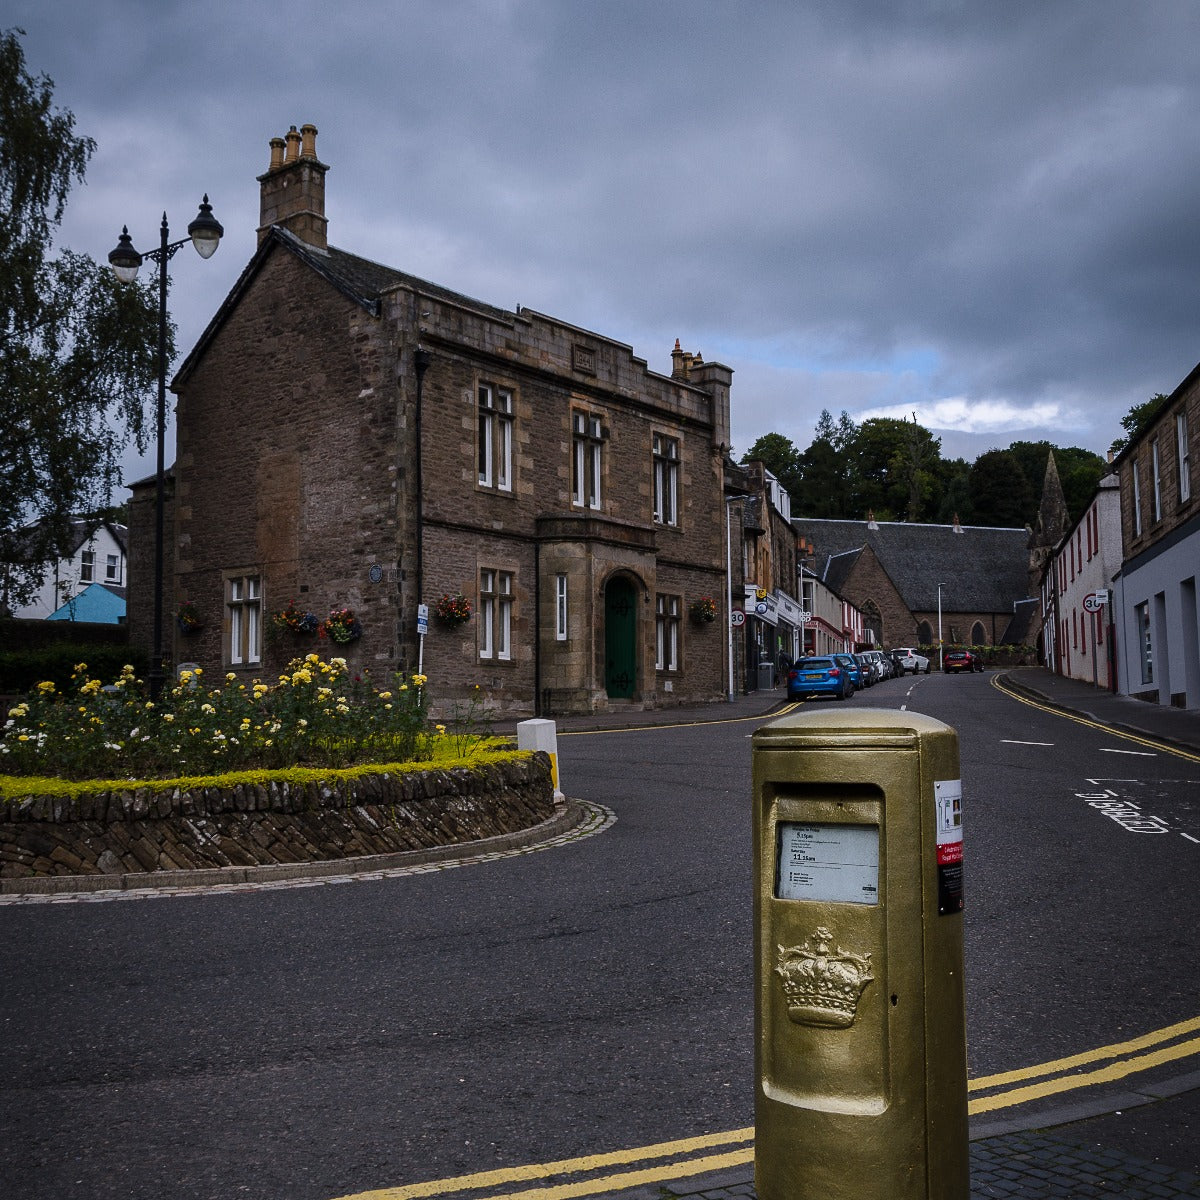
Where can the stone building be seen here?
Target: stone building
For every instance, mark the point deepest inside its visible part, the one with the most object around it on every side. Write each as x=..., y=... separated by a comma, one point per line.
x=352, y=437
x=1154, y=599
x=904, y=576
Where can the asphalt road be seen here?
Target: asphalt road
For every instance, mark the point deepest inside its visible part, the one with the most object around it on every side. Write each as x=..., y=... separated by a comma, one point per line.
x=321, y=1041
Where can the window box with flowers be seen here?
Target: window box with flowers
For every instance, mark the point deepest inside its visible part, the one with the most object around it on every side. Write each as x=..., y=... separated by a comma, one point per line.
x=703, y=611
x=453, y=610
x=341, y=626
x=187, y=618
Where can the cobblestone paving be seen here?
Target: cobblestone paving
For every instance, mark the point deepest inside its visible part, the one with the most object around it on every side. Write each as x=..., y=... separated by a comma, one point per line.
x=1014, y=1166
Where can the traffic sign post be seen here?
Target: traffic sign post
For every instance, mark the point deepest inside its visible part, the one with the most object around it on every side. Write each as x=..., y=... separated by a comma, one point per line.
x=422, y=630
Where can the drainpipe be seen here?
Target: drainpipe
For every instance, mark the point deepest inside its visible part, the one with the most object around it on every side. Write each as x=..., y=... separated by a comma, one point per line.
x=421, y=360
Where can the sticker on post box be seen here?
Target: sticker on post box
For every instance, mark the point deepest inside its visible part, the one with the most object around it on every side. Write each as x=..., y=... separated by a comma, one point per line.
x=828, y=862
x=947, y=795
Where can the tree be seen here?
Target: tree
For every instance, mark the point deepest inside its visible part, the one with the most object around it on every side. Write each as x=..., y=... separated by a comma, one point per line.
x=825, y=470
x=1079, y=471
x=1001, y=495
x=78, y=351
x=894, y=468
x=780, y=457
x=1137, y=419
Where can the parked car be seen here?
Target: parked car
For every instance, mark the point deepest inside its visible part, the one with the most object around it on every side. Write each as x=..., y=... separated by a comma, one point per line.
x=910, y=661
x=850, y=665
x=881, y=666
x=820, y=675
x=865, y=669
x=954, y=661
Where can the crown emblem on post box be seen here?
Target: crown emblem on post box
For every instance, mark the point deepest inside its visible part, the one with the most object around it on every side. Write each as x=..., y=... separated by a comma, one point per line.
x=822, y=982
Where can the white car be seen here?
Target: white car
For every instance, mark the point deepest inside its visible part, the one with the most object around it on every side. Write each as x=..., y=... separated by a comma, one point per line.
x=908, y=660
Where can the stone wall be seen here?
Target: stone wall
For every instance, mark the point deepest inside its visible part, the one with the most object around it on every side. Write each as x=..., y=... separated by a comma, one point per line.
x=146, y=829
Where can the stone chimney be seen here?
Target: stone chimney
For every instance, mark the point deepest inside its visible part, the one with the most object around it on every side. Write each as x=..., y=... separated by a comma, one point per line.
x=293, y=189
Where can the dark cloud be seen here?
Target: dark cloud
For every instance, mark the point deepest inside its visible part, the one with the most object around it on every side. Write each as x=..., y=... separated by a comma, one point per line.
x=856, y=206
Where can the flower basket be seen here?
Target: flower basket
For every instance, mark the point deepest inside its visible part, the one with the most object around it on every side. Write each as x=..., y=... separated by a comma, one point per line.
x=187, y=619
x=453, y=610
x=341, y=626
x=296, y=621
x=703, y=611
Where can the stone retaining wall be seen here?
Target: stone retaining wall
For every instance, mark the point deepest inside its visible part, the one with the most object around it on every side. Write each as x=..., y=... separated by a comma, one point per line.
x=144, y=830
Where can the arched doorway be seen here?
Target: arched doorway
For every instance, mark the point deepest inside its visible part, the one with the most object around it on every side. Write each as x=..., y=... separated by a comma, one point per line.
x=620, y=638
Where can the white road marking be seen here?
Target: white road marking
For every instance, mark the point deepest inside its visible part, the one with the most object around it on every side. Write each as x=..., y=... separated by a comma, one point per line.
x=1138, y=753
x=1014, y=742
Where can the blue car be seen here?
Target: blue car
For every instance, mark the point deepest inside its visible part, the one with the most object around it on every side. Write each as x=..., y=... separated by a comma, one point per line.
x=851, y=665
x=818, y=676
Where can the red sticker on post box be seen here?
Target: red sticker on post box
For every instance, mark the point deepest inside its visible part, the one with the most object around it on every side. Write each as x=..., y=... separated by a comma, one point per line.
x=947, y=795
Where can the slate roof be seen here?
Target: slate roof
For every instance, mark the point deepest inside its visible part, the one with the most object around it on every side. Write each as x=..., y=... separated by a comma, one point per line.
x=981, y=569
x=359, y=279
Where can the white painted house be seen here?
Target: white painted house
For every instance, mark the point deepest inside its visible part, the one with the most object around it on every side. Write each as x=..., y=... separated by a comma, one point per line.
x=66, y=591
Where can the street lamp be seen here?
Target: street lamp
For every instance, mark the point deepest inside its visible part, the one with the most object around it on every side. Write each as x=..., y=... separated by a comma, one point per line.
x=941, y=651
x=204, y=233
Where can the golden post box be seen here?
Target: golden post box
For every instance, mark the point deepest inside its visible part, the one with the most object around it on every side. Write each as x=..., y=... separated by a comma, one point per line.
x=860, y=1021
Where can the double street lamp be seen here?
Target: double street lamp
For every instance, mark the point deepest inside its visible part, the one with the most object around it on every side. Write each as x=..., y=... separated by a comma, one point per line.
x=204, y=233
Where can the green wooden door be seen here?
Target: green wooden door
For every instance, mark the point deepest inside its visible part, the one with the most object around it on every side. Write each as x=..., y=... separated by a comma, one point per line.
x=620, y=639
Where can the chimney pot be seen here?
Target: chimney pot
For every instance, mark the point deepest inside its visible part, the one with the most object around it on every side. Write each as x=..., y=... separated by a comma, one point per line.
x=277, y=145
x=293, y=144
x=308, y=146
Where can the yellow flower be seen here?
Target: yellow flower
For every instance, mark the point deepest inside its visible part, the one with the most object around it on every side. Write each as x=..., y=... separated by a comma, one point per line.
x=46, y=687
x=230, y=676
x=440, y=728
x=385, y=695
x=420, y=680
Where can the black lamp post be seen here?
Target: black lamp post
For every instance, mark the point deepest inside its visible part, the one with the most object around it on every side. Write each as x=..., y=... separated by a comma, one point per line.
x=204, y=233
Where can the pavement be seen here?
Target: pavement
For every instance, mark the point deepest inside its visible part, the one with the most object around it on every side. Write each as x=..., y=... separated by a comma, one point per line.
x=1119, y=1146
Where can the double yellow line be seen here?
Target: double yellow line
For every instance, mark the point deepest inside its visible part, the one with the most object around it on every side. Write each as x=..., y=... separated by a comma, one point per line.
x=681, y=1167
x=569, y=1178
x=1002, y=685
x=1121, y=1060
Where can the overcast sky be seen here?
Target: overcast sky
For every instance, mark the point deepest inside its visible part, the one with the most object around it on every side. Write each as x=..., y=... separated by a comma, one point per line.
x=985, y=214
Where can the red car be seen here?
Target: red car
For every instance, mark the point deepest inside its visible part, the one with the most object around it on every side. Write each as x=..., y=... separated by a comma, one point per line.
x=961, y=660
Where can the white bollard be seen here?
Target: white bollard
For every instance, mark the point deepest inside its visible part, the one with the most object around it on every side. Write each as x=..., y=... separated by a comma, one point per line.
x=540, y=734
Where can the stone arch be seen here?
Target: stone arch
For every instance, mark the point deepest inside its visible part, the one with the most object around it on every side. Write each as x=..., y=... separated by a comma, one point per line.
x=925, y=634
x=623, y=592
x=978, y=634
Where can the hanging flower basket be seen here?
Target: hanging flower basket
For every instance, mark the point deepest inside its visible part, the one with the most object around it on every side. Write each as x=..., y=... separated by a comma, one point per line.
x=296, y=621
x=187, y=619
x=342, y=626
x=703, y=611
x=453, y=610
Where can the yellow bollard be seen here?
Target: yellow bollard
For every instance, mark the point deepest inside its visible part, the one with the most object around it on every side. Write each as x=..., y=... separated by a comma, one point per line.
x=860, y=1024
